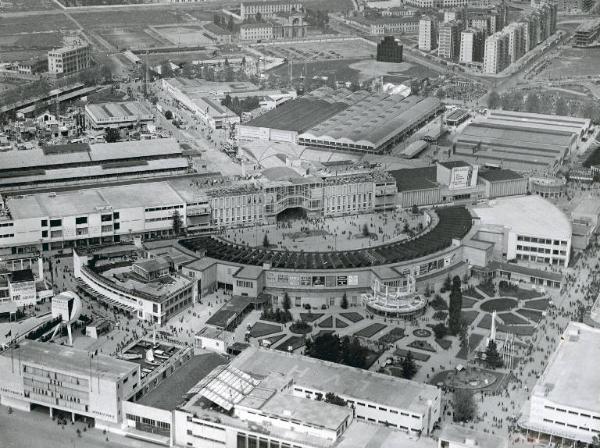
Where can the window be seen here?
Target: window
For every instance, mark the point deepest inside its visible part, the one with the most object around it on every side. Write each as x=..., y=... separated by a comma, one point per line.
x=44, y=222
x=117, y=225
x=81, y=220
x=115, y=215
x=55, y=222
x=44, y=234
x=106, y=218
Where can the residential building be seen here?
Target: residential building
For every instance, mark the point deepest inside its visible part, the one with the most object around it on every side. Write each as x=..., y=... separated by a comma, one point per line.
x=267, y=9
x=496, y=54
x=33, y=66
x=378, y=26
x=389, y=50
x=516, y=41
x=587, y=33
x=427, y=34
x=449, y=40
x=70, y=59
x=472, y=46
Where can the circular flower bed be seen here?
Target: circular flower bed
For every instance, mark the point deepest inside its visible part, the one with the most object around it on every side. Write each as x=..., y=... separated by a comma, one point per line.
x=422, y=333
x=300, y=327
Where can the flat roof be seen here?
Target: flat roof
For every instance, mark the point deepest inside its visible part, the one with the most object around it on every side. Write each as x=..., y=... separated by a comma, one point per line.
x=93, y=200
x=306, y=410
x=338, y=378
x=463, y=435
x=499, y=175
x=571, y=375
x=171, y=392
x=587, y=206
x=68, y=359
x=526, y=215
x=525, y=270
x=366, y=435
x=454, y=164
x=408, y=179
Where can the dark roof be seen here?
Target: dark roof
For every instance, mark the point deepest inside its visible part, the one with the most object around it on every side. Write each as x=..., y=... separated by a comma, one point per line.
x=415, y=178
x=66, y=148
x=454, y=163
x=454, y=222
x=25, y=275
x=233, y=308
x=499, y=175
x=298, y=115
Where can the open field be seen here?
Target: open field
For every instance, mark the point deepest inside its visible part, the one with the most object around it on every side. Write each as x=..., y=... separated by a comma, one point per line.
x=320, y=51
x=128, y=38
x=95, y=19
x=187, y=35
x=574, y=62
x=34, y=24
x=30, y=5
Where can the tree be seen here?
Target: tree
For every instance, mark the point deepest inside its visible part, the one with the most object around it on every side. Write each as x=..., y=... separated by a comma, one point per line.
x=493, y=100
x=344, y=303
x=415, y=209
x=112, y=135
x=409, y=368
x=168, y=115
x=365, y=230
x=464, y=405
x=230, y=24
x=353, y=354
x=447, y=283
x=266, y=241
x=287, y=303
x=492, y=357
x=258, y=17
x=440, y=330
x=455, y=307
x=177, y=223
x=325, y=347
x=595, y=442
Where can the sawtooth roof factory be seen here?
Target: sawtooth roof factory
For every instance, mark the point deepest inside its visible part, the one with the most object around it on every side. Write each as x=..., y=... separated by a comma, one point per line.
x=336, y=119
x=519, y=140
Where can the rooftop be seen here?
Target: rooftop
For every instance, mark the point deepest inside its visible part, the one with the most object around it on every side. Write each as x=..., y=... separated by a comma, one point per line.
x=63, y=358
x=499, y=175
x=454, y=164
x=415, y=178
x=587, y=206
x=118, y=111
x=571, y=376
x=339, y=379
x=365, y=435
x=463, y=435
x=171, y=392
x=526, y=215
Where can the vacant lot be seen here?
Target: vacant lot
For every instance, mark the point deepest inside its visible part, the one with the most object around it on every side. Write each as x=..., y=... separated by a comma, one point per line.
x=34, y=24
x=320, y=51
x=134, y=39
x=129, y=18
x=574, y=62
x=187, y=35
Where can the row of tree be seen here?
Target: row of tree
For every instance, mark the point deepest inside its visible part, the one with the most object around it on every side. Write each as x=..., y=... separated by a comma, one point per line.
x=330, y=347
x=239, y=106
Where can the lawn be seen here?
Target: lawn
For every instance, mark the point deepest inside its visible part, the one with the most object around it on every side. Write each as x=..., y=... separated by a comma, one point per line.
x=417, y=356
x=440, y=315
x=310, y=317
x=500, y=304
x=422, y=345
x=260, y=329
x=540, y=304
x=487, y=288
x=444, y=343
x=438, y=303
x=339, y=323
x=370, y=330
x=474, y=341
x=272, y=339
x=323, y=332
x=486, y=322
x=472, y=292
x=534, y=316
x=519, y=330
x=512, y=319
x=469, y=316
x=294, y=341
x=468, y=302
x=352, y=316
x=392, y=336
x=519, y=293
x=326, y=323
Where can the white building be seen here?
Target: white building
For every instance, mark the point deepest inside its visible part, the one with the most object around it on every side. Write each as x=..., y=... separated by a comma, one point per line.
x=565, y=402
x=427, y=34
x=70, y=380
x=496, y=56
x=526, y=229
x=455, y=436
x=516, y=41
x=70, y=59
x=117, y=115
x=472, y=42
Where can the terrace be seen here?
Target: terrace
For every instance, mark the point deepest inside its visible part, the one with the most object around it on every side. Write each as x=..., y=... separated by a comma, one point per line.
x=454, y=223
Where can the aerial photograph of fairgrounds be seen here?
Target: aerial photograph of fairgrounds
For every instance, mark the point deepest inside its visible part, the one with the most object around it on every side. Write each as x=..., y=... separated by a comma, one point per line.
x=299, y=223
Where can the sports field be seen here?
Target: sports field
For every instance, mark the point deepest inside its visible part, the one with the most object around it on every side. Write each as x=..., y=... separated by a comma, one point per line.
x=186, y=35
x=134, y=39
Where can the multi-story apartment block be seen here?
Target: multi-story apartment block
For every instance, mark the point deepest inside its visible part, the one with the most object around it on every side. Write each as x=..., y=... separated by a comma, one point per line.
x=70, y=59
x=449, y=40
x=516, y=40
x=496, y=57
x=427, y=34
x=472, y=46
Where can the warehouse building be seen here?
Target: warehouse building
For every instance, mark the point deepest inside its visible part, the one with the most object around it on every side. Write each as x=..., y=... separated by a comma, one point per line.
x=82, y=163
x=128, y=114
x=520, y=141
x=374, y=124
x=526, y=229
x=565, y=402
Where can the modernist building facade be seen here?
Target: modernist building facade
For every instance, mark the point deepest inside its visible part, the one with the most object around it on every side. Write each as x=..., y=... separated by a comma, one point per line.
x=68, y=60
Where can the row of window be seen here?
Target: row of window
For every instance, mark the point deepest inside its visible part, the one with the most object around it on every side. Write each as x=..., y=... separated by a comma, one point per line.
x=582, y=428
x=7, y=224
x=595, y=417
x=79, y=220
x=541, y=250
x=244, y=284
x=168, y=207
x=540, y=240
x=7, y=235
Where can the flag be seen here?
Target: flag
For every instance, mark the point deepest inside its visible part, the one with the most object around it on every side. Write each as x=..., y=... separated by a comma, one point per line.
x=8, y=334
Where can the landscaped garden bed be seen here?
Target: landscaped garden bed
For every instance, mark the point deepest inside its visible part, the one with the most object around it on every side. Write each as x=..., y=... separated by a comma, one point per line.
x=500, y=304
x=260, y=329
x=294, y=341
x=339, y=323
x=532, y=315
x=370, y=330
x=472, y=292
x=512, y=319
x=326, y=323
x=300, y=327
x=422, y=345
x=352, y=316
x=310, y=317
x=392, y=336
x=540, y=304
x=444, y=343
x=417, y=356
